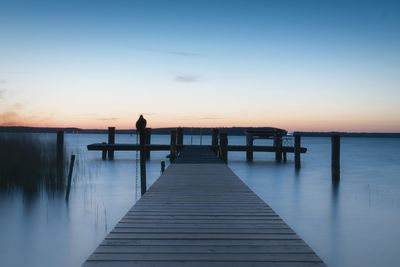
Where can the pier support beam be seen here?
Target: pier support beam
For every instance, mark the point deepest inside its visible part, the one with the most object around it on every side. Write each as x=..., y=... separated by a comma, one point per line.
x=141, y=129
x=60, y=154
x=214, y=139
x=179, y=138
x=249, y=146
x=172, y=154
x=335, y=164
x=148, y=142
x=223, y=147
x=297, y=146
x=111, y=141
x=278, y=146
x=104, y=152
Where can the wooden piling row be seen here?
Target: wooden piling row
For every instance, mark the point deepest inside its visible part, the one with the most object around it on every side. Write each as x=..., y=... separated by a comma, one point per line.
x=297, y=146
x=335, y=163
x=223, y=147
x=111, y=141
x=249, y=144
x=173, y=151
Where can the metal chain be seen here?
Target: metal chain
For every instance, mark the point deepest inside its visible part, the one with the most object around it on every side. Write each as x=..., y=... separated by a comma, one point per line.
x=137, y=169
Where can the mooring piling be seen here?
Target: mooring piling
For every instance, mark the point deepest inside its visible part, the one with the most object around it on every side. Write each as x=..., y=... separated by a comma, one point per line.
x=297, y=150
x=179, y=138
x=172, y=154
x=60, y=154
x=71, y=169
x=111, y=141
x=148, y=142
x=162, y=166
x=104, y=152
x=278, y=145
x=249, y=145
x=223, y=147
x=335, y=163
x=214, y=139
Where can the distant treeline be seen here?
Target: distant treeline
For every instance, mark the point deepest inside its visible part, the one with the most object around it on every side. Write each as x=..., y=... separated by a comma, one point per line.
x=238, y=131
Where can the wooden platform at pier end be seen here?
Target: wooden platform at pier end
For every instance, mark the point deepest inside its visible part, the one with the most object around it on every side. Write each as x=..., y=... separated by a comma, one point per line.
x=199, y=213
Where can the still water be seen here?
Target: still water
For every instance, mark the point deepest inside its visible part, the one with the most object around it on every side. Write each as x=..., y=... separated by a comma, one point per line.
x=353, y=224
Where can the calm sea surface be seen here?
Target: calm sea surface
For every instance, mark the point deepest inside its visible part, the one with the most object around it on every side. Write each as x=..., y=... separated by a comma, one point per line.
x=354, y=224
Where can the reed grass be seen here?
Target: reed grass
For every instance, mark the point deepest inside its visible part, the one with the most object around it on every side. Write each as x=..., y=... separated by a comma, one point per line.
x=29, y=163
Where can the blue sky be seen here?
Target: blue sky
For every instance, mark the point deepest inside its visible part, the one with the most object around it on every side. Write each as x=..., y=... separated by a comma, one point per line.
x=300, y=65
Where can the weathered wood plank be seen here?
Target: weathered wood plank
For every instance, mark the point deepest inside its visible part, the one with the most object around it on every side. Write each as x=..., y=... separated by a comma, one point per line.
x=202, y=215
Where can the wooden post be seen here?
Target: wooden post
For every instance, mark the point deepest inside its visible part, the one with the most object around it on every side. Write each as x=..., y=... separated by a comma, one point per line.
x=335, y=165
x=172, y=154
x=60, y=154
x=148, y=142
x=104, y=152
x=297, y=146
x=223, y=147
x=249, y=145
x=111, y=141
x=278, y=147
x=179, y=138
x=141, y=129
x=71, y=169
x=162, y=166
x=214, y=140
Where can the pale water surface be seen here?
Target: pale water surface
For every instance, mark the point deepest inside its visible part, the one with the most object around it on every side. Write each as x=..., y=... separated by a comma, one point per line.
x=354, y=224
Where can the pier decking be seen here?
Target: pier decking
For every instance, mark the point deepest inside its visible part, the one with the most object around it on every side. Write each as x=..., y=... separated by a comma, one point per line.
x=199, y=213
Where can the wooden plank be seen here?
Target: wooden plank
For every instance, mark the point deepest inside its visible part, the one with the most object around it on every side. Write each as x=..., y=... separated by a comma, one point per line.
x=238, y=257
x=202, y=215
x=204, y=249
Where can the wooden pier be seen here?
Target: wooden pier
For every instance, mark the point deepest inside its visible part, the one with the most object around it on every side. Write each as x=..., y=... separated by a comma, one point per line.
x=199, y=213
x=176, y=144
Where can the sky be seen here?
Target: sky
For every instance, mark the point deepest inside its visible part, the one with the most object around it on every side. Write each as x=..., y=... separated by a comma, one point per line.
x=299, y=65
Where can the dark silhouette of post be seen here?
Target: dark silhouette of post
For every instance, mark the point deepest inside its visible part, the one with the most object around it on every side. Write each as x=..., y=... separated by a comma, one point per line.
x=172, y=151
x=278, y=146
x=148, y=142
x=214, y=139
x=335, y=165
x=104, y=152
x=297, y=147
x=71, y=169
x=179, y=138
x=111, y=141
x=223, y=147
x=60, y=154
x=162, y=166
x=141, y=129
x=249, y=145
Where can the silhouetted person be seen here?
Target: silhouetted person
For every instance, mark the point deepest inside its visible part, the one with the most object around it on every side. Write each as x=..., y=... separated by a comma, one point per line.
x=141, y=123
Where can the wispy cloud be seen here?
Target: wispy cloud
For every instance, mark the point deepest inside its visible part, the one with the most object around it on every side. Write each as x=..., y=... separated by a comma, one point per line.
x=107, y=119
x=186, y=78
x=171, y=52
x=181, y=53
x=208, y=117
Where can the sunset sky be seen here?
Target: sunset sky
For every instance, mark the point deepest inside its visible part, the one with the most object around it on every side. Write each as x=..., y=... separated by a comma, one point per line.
x=299, y=65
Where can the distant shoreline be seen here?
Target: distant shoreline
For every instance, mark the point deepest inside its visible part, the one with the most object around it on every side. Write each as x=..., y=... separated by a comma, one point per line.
x=237, y=131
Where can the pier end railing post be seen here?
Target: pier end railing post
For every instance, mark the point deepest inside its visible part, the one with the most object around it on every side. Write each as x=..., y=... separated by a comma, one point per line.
x=111, y=141
x=335, y=164
x=223, y=147
x=172, y=154
x=297, y=148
